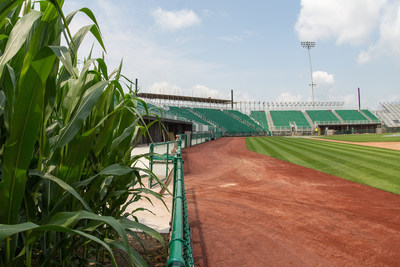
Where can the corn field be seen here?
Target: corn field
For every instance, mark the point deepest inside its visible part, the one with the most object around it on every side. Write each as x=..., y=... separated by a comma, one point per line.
x=66, y=137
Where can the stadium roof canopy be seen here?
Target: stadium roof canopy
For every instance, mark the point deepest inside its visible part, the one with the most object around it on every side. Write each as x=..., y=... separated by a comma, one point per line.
x=184, y=98
x=312, y=105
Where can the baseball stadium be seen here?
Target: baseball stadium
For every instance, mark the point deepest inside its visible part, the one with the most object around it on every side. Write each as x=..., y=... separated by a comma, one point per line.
x=278, y=184
x=95, y=172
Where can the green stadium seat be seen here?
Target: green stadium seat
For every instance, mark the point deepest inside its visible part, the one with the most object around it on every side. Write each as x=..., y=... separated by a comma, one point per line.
x=370, y=115
x=261, y=118
x=326, y=116
x=351, y=115
x=224, y=121
x=282, y=118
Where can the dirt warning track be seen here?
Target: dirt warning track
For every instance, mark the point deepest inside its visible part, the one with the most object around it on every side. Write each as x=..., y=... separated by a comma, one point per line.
x=247, y=209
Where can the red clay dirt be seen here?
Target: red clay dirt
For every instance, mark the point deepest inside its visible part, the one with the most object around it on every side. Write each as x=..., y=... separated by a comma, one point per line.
x=247, y=209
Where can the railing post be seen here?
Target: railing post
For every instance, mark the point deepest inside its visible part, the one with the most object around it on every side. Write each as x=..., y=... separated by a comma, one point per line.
x=176, y=243
x=151, y=164
x=166, y=166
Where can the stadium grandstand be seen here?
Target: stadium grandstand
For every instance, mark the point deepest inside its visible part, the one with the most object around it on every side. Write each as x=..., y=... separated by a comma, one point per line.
x=272, y=118
x=390, y=116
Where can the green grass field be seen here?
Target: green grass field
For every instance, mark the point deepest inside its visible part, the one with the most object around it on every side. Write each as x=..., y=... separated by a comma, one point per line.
x=364, y=137
x=376, y=167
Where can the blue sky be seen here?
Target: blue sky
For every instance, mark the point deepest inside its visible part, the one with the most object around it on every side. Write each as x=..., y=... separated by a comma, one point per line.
x=207, y=48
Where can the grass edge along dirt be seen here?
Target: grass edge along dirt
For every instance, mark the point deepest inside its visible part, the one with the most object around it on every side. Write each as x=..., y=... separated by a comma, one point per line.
x=375, y=167
x=387, y=137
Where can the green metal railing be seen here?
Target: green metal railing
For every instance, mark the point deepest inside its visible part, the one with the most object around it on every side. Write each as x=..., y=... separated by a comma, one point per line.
x=180, y=247
x=184, y=139
x=218, y=134
x=199, y=138
x=162, y=154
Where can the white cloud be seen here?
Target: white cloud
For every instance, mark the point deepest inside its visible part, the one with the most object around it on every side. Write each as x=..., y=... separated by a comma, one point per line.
x=364, y=57
x=350, y=101
x=374, y=24
x=239, y=95
x=196, y=90
x=324, y=79
x=164, y=88
x=236, y=38
x=392, y=98
x=143, y=57
x=389, y=36
x=203, y=91
x=347, y=21
x=175, y=20
x=288, y=97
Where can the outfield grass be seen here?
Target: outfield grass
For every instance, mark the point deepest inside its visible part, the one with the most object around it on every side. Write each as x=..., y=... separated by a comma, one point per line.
x=392, y=137
x=376, y=167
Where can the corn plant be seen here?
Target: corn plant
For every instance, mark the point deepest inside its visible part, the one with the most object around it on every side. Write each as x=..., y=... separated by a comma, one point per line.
x=66, y=137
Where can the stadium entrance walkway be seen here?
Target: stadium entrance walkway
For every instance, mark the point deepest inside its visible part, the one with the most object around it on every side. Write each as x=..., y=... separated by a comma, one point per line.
x=247, y=209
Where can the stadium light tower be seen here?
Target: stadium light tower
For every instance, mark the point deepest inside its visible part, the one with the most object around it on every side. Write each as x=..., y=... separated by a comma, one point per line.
x=310, y=45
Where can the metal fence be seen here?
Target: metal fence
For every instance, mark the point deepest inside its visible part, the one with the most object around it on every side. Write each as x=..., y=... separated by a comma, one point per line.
x=162, y=154
x=161, y=159
x=199, y=138
x=165, y=159
x=180, y=244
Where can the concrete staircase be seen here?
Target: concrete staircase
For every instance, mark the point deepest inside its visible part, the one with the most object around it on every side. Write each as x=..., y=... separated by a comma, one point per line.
x=366, y=116
x=337, y=115
x=269, y=120
x=242, y=121
x=308, y=119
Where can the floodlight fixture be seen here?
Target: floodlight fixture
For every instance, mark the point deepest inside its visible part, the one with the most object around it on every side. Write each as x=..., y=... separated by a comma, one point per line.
x=309, y=45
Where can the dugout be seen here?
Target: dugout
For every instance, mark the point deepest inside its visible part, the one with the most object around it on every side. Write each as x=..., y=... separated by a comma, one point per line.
x=349, y=128
x=165, y=130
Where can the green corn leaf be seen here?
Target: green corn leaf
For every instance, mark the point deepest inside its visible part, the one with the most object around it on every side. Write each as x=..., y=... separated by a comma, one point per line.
x=18, y=37
x=63, y=55
x=62, y=184
x=138, y=260
x=80, y=35
x=69, y=218
x=5, y=7
x=105, y=135
x=115, y=169
x=79, y=148
x=69, y=131
x=9, y=230
x=2, y=102
x=103, y=68
x=76, y=91
x=90, y=14
x=24, y=128
x=150, y=192
x=128, y=224
x=128, y=131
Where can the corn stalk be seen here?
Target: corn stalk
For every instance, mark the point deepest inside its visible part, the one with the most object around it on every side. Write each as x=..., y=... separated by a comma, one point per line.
x=65, y=144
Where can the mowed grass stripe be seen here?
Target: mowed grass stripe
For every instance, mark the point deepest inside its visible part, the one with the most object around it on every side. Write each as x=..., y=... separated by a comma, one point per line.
x=281, y=152
x=353, y=152
x=287, y=153
x=364, y=137
x=324, y=161
x=380, y=174
x=375, y=151
x=352, y=162
x=374, y=168
x=351, y=172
